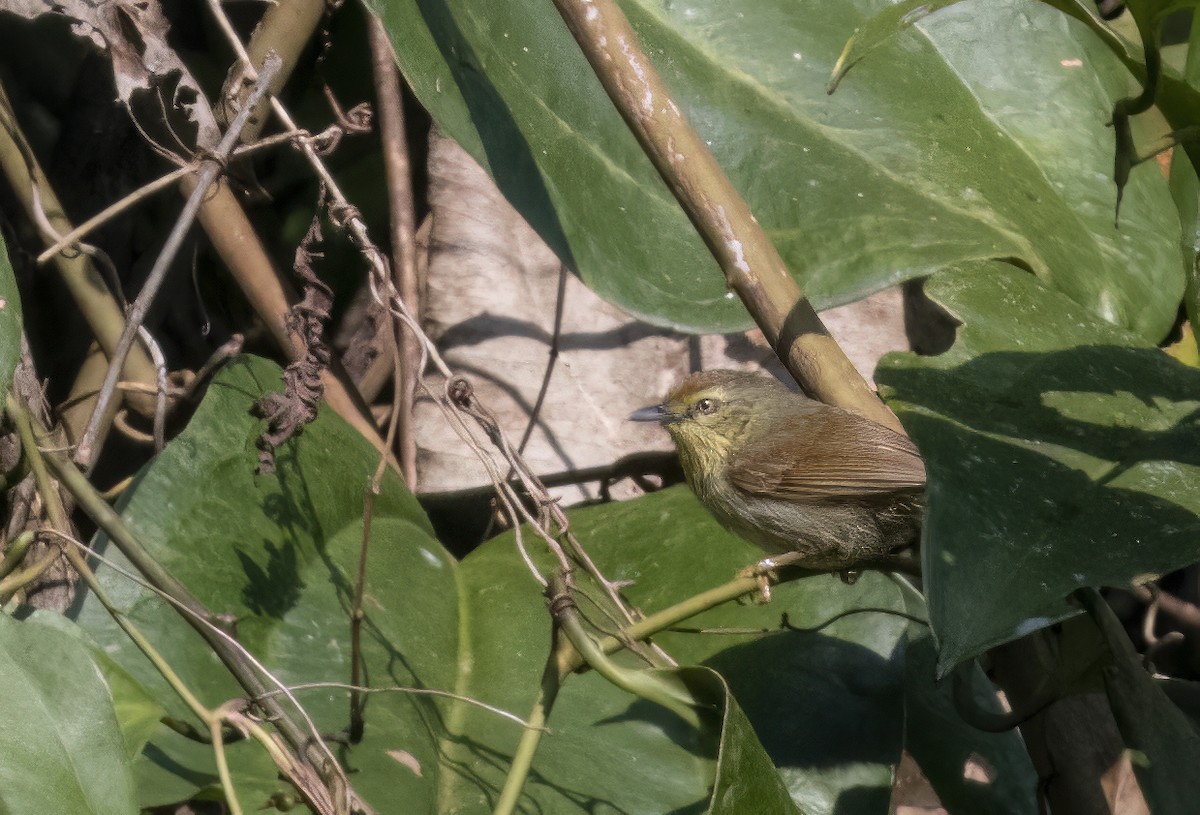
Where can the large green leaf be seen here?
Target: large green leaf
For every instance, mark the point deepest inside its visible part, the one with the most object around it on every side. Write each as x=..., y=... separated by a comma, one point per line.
x=279, y=553
x=137, y=712
x=967, y=137
x=60, y=747
x=10, y=321
x=1061, y=453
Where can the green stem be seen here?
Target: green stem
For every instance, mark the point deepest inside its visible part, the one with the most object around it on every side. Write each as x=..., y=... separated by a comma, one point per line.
x=88, y=289
x=218, y=743
x=661, y=620
x=579, y=649
x=18, y=580
x=522, y=761
x=639, y=682
x=15, y=554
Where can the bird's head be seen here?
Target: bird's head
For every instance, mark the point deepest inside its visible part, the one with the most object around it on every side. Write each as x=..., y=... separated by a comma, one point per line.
x=711, y=413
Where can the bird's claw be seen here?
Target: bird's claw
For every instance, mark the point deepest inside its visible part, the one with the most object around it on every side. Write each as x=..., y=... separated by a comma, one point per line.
x=766, y=573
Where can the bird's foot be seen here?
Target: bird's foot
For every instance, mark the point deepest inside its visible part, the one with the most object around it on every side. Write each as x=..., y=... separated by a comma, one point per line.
x=766, y=572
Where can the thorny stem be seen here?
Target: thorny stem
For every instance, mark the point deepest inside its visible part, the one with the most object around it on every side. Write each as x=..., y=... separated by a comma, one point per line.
x=286, y=28
x=752, y=267
x=462, y=396
x=213, y=165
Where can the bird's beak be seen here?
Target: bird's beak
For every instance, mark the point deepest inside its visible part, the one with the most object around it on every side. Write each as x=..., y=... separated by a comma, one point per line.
x=653, y=413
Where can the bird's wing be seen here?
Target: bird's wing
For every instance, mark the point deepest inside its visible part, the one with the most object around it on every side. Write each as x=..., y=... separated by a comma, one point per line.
x=844, y=457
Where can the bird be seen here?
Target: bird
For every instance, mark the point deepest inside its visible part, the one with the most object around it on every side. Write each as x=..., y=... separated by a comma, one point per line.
x=823, y=487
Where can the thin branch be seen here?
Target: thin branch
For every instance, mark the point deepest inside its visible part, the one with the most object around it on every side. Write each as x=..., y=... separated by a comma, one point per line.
x=403, y=231
x=1185, y=613
x=160, y=392
x=560, y=302
x=42, y=221
x=70, y=239
x=358, y=663
x=218, y=745
x=213, y=165
x=444, y=694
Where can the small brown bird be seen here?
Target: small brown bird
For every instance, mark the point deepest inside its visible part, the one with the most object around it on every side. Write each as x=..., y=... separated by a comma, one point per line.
x=791, y=474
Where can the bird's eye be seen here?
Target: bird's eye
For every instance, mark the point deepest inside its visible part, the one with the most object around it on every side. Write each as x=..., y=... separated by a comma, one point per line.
x=706, y=406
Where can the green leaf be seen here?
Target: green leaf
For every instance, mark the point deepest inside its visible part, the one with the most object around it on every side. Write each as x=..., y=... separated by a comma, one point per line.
x=889, y=22
x=964, y=138
x=137, y=712
x=60, y=746
x=746, y=779
x=826, y=703
x=10, y=321
x=279, y=553
x=173, y=769
x=1060, y=452
x=1142, y=58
